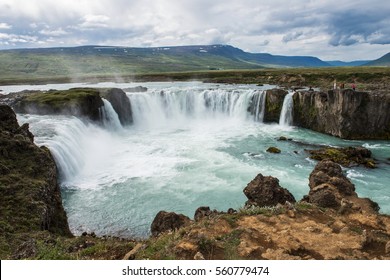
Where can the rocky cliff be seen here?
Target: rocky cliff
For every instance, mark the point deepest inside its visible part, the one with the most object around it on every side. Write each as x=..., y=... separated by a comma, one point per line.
x=273, y=104
x=344, y=113
x=81, y=102
x=30, y=198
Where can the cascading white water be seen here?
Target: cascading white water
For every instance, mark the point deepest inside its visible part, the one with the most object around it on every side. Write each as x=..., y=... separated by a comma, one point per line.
x=260, y=106
x=109, y=116
x=65, y=136
x=168, y=106
x=286, y=115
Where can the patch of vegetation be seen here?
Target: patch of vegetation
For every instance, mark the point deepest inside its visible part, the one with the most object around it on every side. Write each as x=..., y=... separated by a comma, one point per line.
x=267, y=211
x=230, y=243
x=160, y=248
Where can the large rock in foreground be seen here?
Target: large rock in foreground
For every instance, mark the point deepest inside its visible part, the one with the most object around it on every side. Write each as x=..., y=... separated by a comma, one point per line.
x=168, y=221
x=266, y=191
x=30, y=198
x=329, y=187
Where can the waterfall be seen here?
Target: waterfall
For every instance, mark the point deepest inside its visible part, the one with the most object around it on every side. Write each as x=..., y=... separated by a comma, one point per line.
x=260, y=106
x=179, y=105
x=109, y=116
x=286, y=116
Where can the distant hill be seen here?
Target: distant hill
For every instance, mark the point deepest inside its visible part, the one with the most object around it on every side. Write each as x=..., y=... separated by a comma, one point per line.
x=100, y=61
x=108, y=60
x=382, y=61
x=338, y=63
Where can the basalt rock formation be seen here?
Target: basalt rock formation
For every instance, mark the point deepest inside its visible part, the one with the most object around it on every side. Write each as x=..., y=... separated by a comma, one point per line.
x=329, y=187
x=266, y=191
x=274, y=103
x=120, y=103
x=30, y=198
x=344, y=113
x=79, y=102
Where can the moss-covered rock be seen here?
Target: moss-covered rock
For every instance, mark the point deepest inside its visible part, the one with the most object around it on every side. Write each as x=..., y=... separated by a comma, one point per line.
x=81, y=102
x=30, y=198
x=347, y=157
x=274, y=150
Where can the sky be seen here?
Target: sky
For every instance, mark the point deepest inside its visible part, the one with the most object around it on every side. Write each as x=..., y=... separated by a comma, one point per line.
x=331, y=30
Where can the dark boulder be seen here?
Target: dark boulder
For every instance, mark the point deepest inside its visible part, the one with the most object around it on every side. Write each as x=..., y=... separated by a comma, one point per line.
x=168, y=221
x=201, y=212
x=266, y=191
x=325, y=195
x=273, y=150
x=328, y=172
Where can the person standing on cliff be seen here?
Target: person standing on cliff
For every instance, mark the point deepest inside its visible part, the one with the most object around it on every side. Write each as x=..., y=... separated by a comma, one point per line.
x=353, y=87
x=334, y=84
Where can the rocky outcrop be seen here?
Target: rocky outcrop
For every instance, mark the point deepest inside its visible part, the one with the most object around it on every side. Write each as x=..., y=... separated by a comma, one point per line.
x=344, y=113
x=30, y=198
x=266, y=191
x=273, y=104
x=168, y=221
x=120, y=102
x=80, y=102
x=349, y=156
x=329, y=187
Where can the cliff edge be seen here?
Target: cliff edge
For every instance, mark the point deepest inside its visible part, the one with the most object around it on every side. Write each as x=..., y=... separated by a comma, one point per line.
x=30, y=197
x=346, y=114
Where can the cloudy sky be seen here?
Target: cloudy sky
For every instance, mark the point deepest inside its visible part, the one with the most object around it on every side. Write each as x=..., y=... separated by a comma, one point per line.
x=331, y=30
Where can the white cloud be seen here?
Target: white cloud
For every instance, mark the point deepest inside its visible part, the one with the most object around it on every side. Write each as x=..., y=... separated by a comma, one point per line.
x=94, y=21
x=4, y=25
x=55, y=33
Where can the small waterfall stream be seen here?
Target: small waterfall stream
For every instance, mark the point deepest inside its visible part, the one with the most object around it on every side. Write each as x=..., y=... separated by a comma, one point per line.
x=286, y=115
x=109, y=116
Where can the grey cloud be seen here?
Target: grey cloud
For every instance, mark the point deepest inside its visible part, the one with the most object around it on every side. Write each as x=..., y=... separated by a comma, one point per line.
x=292, y=36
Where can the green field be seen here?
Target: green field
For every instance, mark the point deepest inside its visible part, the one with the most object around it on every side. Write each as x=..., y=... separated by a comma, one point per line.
x=215, y=63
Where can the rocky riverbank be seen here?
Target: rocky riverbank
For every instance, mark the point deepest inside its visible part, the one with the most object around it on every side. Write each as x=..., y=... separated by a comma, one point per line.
x=331, y=222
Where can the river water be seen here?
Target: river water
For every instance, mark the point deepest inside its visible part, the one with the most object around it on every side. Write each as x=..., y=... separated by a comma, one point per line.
x=191, y=145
